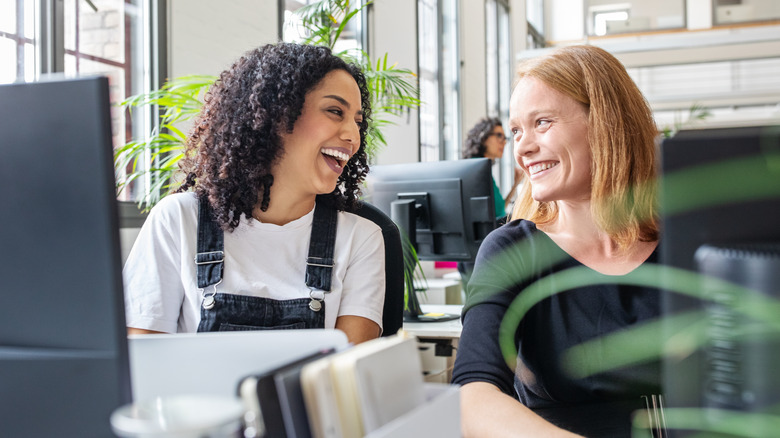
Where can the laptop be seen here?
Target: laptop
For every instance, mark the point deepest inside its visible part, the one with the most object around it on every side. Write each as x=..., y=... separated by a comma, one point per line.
x=214, y=363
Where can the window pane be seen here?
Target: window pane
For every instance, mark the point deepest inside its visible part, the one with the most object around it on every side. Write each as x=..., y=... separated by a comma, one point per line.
x=71, y=23
x=101, y=33
x=427, y=28
x=491, y=58
x=294, y=31
x=29, y=20
x=8, y=16
x=507, y=166
x=534, y=10
x=116, y=89
x=7, y=60
x=450, y=79
x=29, y=62
x=17, y=30
x=112, y=41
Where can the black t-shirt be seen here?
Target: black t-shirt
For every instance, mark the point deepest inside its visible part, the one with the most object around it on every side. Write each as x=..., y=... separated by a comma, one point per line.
x=567, y=305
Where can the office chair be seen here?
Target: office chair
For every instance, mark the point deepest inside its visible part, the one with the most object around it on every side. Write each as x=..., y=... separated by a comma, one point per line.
x=393, y=313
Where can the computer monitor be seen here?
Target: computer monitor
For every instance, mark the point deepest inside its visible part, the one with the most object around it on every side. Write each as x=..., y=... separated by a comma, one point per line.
x=720, y=204
x=445, y=208
x=63, y=346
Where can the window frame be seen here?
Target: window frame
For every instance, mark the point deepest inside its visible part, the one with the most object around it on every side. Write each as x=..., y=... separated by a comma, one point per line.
x=499, y=77
x=143, y=43
x=447, y=80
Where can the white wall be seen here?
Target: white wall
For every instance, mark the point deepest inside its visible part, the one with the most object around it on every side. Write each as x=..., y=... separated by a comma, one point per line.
x=564, y=20
x=206, y=37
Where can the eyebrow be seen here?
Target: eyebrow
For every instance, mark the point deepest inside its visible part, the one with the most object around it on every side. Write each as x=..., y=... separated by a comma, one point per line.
x=342, y=101
x=534, y=114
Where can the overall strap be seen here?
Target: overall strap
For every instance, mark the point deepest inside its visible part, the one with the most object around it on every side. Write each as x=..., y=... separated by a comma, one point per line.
x=319, y=264
x=210, y=259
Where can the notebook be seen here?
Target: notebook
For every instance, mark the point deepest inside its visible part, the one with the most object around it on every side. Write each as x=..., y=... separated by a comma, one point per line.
x=213, y=363
x=320, y=400
x=275, y=399
x=358, y=390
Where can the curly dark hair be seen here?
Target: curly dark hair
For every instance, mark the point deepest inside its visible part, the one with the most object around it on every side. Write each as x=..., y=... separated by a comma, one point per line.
x=236, y=139
x=474, y=146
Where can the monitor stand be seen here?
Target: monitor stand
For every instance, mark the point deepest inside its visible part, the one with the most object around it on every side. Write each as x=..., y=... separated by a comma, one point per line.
x=403, y=213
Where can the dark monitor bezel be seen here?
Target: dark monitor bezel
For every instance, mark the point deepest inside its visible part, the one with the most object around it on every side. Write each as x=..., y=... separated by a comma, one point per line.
x=63, y=342
x=743, y=216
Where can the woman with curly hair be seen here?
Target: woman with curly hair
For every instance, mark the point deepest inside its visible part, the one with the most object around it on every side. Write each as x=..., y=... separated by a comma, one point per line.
x=260, y=234
x=486, y=139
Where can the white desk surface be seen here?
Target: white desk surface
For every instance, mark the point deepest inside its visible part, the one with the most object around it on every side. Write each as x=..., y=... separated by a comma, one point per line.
x=444, y=329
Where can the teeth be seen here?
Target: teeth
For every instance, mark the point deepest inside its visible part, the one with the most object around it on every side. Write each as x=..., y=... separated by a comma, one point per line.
x=536, y=168
x=341, y=156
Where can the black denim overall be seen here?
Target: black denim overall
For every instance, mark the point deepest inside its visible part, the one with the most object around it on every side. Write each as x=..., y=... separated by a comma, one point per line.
x=230, y=312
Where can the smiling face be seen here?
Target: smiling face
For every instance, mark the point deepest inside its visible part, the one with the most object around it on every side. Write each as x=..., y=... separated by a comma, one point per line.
x=495, y=143
x=324, y=137
x=550, y=137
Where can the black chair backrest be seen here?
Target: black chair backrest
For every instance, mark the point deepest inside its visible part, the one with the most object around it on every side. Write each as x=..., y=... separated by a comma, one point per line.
x=393, y=314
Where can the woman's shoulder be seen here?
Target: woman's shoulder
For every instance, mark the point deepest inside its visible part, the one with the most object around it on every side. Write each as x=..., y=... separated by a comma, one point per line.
x=174, y=205
x=359, y=224
x=512, y=232
x=522, y=244
x=177, y=201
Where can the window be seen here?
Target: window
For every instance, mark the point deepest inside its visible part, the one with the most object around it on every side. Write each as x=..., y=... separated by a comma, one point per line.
x=498, y=54
x=534, y=13
x=17, y=41
x=353, y=37
x=439, y=71
x=498, y=59
x=80, y=37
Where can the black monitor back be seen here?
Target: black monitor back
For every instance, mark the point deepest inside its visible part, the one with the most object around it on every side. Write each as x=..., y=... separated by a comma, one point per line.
x=720, y=196
x=63, y=346
x=452, y=204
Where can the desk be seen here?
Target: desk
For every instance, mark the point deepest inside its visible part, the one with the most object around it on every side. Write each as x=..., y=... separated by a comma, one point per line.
x=438, y=342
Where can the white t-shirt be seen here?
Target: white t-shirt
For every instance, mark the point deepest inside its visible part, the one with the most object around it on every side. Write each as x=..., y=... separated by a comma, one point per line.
x=263, y=260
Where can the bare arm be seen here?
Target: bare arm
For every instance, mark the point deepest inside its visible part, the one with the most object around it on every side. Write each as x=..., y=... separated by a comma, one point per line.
x=137, y=331
x=357, y=328
x=488, y=412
